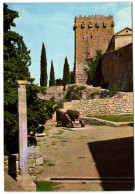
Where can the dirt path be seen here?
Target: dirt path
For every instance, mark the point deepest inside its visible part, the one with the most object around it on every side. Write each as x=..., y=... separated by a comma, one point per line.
x=93, y=151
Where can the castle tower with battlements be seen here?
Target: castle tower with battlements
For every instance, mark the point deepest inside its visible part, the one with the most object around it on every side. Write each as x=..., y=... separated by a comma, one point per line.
x=91, y=33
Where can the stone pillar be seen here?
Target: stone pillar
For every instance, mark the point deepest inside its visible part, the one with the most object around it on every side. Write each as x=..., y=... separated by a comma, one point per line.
x=22, y=119
x=23, y=179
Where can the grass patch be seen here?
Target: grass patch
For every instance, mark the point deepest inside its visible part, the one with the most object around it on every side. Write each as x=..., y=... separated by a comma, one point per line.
x=80, y=157
x=53, y=136
x=83, y=183
x=119, y=118
x=47, y=146
x=47, y=129
x=64, y=141
x=62, y=138
x=50, y=164
x=46, y=161
x=46, y=186
x=58, y=137
x=58, y=133
x=53, y=143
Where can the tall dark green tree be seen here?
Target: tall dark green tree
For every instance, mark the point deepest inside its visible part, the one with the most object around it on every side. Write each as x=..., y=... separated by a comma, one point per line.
x=72, y=75
x=43, y=67
x=66, y=73
x=52, y=76
x=16, y=63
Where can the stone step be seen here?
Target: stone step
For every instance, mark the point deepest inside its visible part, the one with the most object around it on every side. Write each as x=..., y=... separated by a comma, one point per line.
x=26, y=182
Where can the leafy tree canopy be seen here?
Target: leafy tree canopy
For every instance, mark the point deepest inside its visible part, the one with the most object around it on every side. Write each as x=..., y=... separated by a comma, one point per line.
x=16, y=67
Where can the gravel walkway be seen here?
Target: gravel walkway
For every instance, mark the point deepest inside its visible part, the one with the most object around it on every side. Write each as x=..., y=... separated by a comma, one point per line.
x=93, y=151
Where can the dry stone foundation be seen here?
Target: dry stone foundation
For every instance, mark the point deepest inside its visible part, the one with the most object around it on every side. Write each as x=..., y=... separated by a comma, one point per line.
x=121, y=104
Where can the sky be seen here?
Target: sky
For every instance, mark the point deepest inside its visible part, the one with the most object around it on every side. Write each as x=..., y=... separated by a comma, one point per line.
x=52, y=23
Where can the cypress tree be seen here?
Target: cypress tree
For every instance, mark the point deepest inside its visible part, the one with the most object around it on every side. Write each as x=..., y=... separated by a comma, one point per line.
x=66, y=73
x=43, y=67
x=72, y=75
x=52, y=77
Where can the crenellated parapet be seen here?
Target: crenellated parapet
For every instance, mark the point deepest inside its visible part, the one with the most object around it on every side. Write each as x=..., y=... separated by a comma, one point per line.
x=93, y=22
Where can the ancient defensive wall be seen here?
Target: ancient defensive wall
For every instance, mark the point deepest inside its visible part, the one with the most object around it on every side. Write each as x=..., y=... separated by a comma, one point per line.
x=91, y=33
x=117, y=67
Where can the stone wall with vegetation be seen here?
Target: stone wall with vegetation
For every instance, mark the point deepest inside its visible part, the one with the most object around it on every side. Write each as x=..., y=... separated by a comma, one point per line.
x=73, y=91
x=121, y=104
x=53, y=92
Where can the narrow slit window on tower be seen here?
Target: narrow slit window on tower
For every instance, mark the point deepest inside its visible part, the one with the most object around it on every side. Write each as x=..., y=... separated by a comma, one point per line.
x=97, y=25
x=90, y=25
x=104, y=25
x=82, y=25
x=91, y=36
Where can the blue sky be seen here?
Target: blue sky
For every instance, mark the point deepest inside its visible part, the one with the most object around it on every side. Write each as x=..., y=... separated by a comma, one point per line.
x=52, y=23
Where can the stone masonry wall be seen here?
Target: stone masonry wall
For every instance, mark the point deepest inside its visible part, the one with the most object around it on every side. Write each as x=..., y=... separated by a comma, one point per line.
x=91, y=33
x=117, y=67
x=35, y=165
x=121, y=104
x=55, y=92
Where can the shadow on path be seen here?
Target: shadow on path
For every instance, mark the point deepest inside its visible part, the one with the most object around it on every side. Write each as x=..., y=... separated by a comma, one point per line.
x=114, y=158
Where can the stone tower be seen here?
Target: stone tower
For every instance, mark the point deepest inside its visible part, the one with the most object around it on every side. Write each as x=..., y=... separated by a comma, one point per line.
x=91, y=33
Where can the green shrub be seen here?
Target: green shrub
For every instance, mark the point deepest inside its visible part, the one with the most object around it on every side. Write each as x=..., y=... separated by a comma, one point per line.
x=74, y=92
x=94, y=93
x=114, y=89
